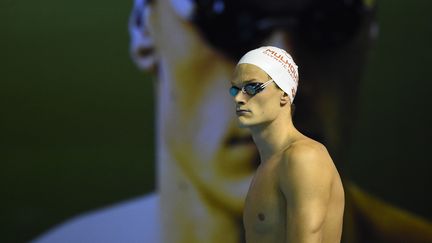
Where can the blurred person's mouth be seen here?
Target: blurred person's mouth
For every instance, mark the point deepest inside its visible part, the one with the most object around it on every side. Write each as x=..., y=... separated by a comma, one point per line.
x=244, y=139
x=145, y=52
x=244, y=148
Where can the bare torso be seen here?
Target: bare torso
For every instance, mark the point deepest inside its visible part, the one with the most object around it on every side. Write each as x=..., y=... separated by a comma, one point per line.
x=265, y=214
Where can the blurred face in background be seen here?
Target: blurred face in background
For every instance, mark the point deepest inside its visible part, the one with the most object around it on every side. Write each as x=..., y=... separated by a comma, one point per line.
x=196, y=116
x=196, y=119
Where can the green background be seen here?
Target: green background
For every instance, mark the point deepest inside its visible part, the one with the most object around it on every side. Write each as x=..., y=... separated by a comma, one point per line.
x=391, y=154
x=77, y=123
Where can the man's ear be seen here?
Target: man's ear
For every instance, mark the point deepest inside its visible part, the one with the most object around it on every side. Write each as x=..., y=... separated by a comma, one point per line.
x=285, y=100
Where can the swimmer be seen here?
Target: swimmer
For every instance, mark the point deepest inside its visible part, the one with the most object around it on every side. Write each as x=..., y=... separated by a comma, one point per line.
x=296, y=194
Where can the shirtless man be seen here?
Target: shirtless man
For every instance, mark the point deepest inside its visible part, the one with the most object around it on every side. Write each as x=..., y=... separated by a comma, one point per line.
x=204, y=161
x=296, y=194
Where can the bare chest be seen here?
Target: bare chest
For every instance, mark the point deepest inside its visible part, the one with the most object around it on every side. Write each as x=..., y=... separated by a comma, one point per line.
x=264, y=211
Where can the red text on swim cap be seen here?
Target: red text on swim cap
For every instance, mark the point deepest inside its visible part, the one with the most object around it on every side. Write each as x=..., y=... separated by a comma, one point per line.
x=285, y=61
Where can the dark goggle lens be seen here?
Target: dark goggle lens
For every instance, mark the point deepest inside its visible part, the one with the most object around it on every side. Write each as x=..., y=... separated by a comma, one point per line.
x=251, y=89
x=234, y=91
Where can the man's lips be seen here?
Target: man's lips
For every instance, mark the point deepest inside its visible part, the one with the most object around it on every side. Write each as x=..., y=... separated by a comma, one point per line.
x=241, y=111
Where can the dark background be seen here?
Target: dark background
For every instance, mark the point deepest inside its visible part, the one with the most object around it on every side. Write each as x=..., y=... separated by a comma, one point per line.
x=77, y=124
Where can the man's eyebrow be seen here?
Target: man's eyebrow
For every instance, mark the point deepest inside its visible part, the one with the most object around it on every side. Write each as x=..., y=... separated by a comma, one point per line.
x=246, y=81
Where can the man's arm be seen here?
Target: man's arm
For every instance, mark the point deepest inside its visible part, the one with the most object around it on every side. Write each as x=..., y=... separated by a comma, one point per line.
x=305, y=181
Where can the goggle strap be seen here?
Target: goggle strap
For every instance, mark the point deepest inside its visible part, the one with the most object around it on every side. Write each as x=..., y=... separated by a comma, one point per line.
x=266, y=83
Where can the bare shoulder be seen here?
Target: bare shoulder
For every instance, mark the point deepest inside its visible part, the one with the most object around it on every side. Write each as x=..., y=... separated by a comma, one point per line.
x=307, y=152
x=307, y=158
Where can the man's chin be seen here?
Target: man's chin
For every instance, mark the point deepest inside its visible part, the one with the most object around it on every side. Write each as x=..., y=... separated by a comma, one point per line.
x=242, y=123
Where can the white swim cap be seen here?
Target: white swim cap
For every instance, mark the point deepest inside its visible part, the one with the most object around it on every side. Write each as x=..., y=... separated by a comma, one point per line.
x=278, y=64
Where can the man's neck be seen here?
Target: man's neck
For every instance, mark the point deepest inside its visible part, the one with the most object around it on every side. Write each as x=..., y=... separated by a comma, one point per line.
x=274, y=137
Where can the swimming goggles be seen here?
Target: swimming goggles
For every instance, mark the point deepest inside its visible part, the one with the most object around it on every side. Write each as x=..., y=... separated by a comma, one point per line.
x=250, y=89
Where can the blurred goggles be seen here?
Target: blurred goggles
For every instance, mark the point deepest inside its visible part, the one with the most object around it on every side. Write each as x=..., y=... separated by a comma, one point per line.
x=250, y=89
x=237, y=26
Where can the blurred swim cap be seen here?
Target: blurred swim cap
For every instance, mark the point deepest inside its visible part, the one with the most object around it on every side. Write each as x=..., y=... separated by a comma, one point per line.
x=236, y=26
x=278, y=64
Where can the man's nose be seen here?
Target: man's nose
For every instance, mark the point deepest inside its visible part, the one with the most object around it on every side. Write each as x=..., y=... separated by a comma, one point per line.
x=240, y=98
